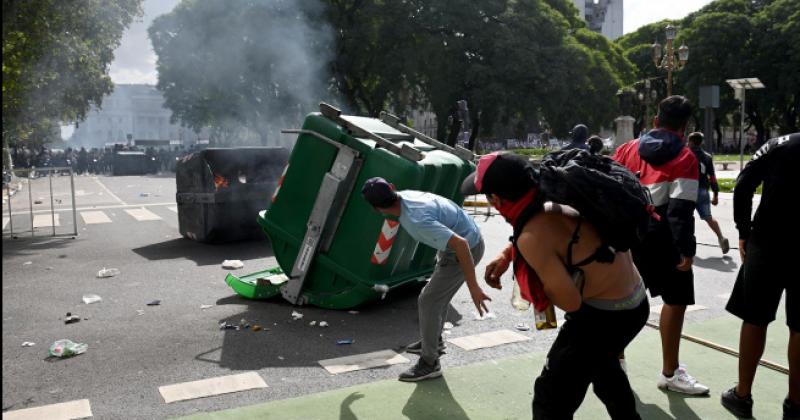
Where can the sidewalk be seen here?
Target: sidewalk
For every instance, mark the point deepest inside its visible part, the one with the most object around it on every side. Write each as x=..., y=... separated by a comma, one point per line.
x=502, y=389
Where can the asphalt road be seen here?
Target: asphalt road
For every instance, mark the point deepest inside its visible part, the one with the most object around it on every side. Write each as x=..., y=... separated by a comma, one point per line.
x=130, y=354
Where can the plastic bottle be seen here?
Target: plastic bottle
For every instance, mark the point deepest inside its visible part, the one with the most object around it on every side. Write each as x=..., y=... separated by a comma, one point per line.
x=517, y=301
x=107, y=272
x=67, y=348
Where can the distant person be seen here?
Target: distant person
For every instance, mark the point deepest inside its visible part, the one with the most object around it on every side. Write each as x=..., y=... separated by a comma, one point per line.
x=83, y=161
x=579, y=133
x=595, y=144
x=444, y=226
x=605, y=302
x=707, y=179
x=768, y=245
x=669, y=170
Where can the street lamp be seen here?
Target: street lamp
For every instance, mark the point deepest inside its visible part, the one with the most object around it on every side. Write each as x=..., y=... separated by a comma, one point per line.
x=740, y=86
x=668, y=61
x=646, y=96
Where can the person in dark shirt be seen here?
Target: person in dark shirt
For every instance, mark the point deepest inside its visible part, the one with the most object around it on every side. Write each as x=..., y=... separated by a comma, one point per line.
x=768, y=245
x=707, y=180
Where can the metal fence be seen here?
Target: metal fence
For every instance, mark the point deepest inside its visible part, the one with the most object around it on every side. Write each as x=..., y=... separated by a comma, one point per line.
x=30, y=179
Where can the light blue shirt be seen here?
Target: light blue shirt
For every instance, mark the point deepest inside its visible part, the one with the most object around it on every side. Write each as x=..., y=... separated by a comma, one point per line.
x=432, y=219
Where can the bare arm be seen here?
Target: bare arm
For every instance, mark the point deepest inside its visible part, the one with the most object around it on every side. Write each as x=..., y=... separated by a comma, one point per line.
x=464, y=256
x=558, y=285
x=497, y=267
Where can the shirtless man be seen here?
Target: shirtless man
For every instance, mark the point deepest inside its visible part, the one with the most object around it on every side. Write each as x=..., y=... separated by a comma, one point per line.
x=602, y=317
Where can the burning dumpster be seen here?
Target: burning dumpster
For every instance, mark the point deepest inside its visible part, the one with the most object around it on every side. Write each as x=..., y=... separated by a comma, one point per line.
x=220, y=191
x=333, y=249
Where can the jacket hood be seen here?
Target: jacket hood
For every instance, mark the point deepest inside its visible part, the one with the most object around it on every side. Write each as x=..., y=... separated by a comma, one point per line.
x=659, y=146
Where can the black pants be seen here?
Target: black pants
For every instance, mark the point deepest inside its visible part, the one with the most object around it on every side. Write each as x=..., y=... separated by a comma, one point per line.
x=586, y=352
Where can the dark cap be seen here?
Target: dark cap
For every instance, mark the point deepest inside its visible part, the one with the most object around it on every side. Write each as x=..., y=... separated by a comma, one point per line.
x=505, y=174
x=379, y=193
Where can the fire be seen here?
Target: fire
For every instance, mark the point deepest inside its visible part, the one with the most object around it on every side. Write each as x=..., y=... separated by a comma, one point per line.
x=220, y=182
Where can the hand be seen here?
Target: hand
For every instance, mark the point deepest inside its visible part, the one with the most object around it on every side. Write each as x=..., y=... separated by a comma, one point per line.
x=686, y=263
x=742, y=250
x=494, y=270
x=479, y=298
x=715, y=200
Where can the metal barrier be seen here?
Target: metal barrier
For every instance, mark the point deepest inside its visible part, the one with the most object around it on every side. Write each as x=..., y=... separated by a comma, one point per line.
x=33, y=174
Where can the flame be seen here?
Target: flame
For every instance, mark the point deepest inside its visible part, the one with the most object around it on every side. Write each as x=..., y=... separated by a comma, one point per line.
x=220, y=182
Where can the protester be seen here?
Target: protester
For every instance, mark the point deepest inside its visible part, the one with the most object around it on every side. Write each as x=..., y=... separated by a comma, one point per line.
x=595, y=144
x=441, y=224
x=579, y=135
x=766, y=267
x=669, y=170
x=707, y=179
x=606, y=303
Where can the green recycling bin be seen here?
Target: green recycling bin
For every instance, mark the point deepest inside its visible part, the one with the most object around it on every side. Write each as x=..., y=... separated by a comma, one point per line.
x=334, y=250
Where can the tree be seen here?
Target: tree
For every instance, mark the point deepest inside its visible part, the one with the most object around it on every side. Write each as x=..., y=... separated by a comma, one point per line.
x=56, y=56
x=258, y=64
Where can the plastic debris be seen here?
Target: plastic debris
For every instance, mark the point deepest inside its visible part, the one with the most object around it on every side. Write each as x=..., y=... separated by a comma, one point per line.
x=296, y=315
x=345, y=341
x=71, y=319
x=277, y=279
x=37, y=202
x=486, y=315
x=522, y=327
x=312, y=323
x=381, y=288
x=154, y=303
x=91, y=298
x=243, y=323
x=206, y=306
x=257, y=327
x=67, y=348
x=232, y=264
x=353, y=312
x=227, y=326
x=323, y=324
x=107, y=272
x=139, y=312
x=144, y=194
x=280, y=357
x=28, y=344
x=448, y=325
x=27, y=263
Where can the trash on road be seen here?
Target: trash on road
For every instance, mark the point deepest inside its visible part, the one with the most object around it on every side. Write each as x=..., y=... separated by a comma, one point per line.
x=28, y=344
x=296, y=315
x=144, y=194
x=71, y=319
x=522, y=327
x=486, y=315
x=154, y=303
x=323, y=324
x=353, y=312
x=243, y=323
x=139, y=312
x=27, y=263
x=312, y=323
x=91, y=298
x=232, y=264
x=107, y=272
x=37, y=202
x=275, y=279
x=228, y=326
x=257, y=327
x=345, y=341
x=206, y=306
x=67, y=348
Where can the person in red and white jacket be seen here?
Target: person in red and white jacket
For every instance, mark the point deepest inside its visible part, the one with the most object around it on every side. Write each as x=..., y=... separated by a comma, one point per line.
x=670, y=171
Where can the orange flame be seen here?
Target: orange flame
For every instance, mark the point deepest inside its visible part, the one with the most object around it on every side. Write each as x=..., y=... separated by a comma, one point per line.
x=220, y=182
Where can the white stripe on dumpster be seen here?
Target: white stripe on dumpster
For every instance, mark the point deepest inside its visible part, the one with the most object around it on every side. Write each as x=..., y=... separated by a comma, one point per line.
x=142, y=214
x=45, y=220
x=488, y=339
x=5, y=222
x=94, y=217
x=77, y=409
x=362, y=361
x=211, y=387
x=173, y=208
x=691, y=308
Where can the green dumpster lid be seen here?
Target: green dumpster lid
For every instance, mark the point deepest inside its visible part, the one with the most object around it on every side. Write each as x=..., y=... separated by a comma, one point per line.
x=378, y=127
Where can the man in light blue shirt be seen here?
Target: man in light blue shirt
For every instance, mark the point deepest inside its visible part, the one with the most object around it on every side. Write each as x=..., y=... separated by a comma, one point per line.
x=441, y=224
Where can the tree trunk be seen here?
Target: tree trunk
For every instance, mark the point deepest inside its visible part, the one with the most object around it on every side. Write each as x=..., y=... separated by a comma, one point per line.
x=476, y=125
x=455, y=127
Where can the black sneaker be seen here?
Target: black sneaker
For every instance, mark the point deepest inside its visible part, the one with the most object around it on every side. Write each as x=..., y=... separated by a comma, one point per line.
x=416, y=347
x=739, y=406
x=791, y=411
x=421, y=371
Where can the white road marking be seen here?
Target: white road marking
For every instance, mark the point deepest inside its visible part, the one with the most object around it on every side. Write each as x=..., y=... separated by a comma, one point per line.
x=113, y=206
x=210, y=387
x=691, y=308
x=488, y=339
x=114, y=196
x=94, y=217
x=362, y=361
x=77, y=409
x=173, y=208
x=142, y=214
x=45, y=220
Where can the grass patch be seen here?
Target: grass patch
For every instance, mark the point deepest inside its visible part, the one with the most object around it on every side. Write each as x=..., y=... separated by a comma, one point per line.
x=731, y=158
x=531, y=152
x=726, y=185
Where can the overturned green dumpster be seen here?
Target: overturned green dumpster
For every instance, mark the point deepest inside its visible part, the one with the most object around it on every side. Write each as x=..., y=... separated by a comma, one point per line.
x=334, y=250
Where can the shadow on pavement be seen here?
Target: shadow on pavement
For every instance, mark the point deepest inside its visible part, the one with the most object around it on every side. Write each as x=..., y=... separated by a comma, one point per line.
x=205, y=254
x=33, y=246
x=724, y=264
x=286, y=342
x=432, y=399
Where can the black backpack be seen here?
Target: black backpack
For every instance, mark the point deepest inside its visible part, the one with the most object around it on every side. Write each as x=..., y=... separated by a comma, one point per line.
x=605, y=193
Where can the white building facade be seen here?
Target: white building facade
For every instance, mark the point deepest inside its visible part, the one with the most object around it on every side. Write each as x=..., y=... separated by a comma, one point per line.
x=602, y=16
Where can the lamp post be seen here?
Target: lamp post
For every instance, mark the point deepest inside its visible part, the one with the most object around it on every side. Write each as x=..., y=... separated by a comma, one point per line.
x=646, y=96
x=668, y=61
x=741, y=86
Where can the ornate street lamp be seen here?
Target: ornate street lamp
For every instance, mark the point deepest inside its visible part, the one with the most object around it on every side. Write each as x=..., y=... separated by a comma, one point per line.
x=668, y=61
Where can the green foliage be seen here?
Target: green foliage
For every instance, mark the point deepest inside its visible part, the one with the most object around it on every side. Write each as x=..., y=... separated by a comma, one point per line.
x=55, y=61
x=538, y=152
x=727, y=185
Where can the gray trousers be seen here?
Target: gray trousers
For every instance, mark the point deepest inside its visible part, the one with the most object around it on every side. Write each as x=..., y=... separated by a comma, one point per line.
x=434, y=300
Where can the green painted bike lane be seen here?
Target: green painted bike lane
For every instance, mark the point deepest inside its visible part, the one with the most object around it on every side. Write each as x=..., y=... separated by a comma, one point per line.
x=502, y=389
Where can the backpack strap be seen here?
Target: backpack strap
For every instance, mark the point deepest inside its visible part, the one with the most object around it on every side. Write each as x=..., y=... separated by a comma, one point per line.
x=603, y=254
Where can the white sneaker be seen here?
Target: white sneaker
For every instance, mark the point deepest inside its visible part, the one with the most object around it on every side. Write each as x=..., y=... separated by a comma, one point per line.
x=682, y=382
